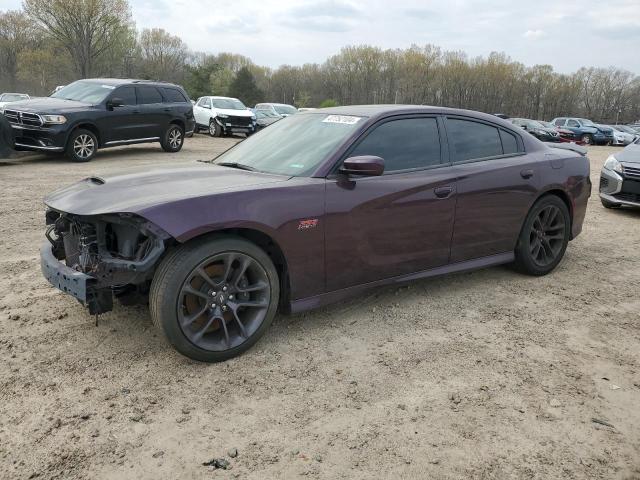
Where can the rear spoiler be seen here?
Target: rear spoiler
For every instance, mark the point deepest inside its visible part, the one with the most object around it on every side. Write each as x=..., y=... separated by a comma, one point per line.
x=574, y=147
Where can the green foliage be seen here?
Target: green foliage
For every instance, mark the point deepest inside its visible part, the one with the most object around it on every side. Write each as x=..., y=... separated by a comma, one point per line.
x=197, y=81
x=244, y=87
x=329, y=102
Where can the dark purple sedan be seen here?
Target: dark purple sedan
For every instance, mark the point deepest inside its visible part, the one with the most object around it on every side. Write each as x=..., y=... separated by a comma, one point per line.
x=318, y=207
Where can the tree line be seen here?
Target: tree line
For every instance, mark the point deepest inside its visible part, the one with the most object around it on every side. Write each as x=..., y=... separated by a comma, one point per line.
x=53, y=42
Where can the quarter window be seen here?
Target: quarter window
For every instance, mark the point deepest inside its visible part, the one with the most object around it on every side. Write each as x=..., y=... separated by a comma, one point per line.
x=148, y=94
x=403, y=144
x=509, y=142
x=171, y=95
x=473, y=140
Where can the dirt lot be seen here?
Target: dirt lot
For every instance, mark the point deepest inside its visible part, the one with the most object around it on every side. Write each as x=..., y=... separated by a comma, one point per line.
x=488, y=374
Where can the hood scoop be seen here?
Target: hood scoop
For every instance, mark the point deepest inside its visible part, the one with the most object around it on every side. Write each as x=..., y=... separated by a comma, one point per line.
x=96, y=180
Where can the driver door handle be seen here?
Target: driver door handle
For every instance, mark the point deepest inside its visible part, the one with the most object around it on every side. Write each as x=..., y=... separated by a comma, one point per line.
x=526, y=173
x=443, y=192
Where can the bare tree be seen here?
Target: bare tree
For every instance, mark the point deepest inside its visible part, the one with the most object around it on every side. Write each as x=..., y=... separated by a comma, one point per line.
x=163, y=55
x=17, y=34
x=86, y=28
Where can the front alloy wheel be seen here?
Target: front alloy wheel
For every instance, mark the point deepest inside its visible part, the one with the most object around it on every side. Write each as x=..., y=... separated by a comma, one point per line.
x=82, y=146
x=216, y=298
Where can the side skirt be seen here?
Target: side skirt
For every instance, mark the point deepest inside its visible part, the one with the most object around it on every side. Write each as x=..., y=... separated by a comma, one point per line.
x=332, y=297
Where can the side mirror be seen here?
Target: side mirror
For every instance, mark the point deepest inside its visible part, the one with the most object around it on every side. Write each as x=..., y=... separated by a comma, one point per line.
x=366, y=165
x=115, y=102
x=207, y=106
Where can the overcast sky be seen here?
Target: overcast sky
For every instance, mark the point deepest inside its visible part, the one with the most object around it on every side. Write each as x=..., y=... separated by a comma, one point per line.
x=564, y=33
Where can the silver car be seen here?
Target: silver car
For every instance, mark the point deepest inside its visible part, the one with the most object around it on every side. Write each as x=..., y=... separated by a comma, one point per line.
x=620, y=178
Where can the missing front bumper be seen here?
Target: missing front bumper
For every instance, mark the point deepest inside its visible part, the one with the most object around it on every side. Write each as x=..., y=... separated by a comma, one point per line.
x=77, y=284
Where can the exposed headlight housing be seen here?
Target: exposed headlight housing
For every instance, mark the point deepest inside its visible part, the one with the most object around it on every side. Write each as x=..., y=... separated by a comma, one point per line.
x=54, y=119
x=613, y=164
x=1, y=110
x=253, y=117
x=222, y=115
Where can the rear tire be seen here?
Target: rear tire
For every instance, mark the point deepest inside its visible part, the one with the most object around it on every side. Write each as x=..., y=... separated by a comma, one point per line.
x=544, y=237
x=214, y=298
x=82, y=146
x=173, y=139
x=587, y=139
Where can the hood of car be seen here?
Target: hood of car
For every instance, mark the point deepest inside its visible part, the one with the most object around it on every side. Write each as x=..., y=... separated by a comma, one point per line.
x=139, y=189
x=47, y=105
x=234, y=113
x=630, y=154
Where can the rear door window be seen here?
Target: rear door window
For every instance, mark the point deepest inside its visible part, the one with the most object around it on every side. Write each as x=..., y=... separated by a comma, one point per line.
x=559, y=122
x=573, y=123
x=148, y=94
x=471, y=140
x=403, y=144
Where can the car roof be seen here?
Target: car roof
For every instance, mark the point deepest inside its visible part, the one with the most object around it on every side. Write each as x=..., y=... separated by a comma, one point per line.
x=278, y=104
x=385, y=110
x=218, y=97
x=127, y=81
x=13, y=93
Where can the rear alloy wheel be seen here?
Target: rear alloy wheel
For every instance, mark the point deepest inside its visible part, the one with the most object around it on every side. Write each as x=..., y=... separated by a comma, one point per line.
x=544, y=236
x=82, y=146
x=215, y=130
x=587, y=139
x=215, y=298
x=173, y=139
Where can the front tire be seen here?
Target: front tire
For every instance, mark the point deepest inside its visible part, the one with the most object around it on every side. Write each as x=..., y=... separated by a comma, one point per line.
x=544, y=236
x=82, y=146
x=214, y=298
x=587, y=139
x=215, y=130
x=173, y=139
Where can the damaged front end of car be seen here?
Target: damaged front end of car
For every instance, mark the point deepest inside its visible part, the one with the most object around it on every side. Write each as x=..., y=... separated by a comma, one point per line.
x=96, y=257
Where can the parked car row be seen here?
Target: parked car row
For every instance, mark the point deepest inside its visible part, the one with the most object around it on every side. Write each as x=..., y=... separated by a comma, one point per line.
x=578, y=130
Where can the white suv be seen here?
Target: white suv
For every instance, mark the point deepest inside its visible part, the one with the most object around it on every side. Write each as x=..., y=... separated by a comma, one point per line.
x=223, y=115
x=280, y=109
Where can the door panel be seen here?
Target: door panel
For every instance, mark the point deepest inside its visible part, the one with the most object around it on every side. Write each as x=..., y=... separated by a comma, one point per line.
x=493, y=200
x=122, y=123
x=154, y=118
x=381, y=227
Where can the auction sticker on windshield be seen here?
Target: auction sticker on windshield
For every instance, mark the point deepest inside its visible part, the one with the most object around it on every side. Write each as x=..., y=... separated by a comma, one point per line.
x=345, y=119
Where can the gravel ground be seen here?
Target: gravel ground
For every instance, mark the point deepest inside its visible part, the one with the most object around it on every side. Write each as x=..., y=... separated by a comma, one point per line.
x=488, y=374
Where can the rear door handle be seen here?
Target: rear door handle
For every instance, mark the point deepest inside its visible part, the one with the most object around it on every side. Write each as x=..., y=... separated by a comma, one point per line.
x=443, y=192
x=526, y=173
x=167, y=109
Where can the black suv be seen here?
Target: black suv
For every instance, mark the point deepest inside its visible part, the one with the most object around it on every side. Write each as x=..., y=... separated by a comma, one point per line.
x=97, y=113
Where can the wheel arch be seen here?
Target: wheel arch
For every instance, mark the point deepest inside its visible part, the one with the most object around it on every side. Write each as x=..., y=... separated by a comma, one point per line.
x=268, y=244
x=562, y=195
x=179, y=122
x=86, y=126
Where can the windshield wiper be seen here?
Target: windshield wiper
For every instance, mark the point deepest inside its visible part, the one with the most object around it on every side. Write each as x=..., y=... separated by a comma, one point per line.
x=239, y=166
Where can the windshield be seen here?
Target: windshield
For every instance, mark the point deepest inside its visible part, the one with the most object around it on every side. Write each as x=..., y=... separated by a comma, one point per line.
x=86, y=92
x=294, y=146
x=535, y=124
x=285, y=109
x=586, y=122
x=13, y=97
x=228, y=104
